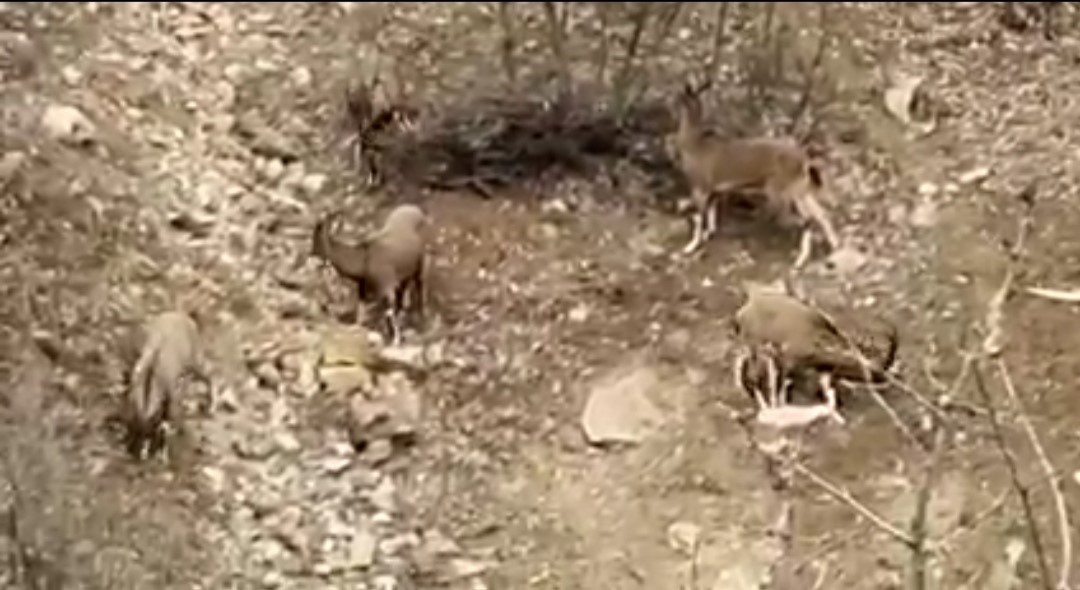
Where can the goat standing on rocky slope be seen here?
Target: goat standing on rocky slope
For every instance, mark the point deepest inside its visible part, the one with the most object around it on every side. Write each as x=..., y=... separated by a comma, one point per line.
x=388, y=264
x=778, y=169
x=789, y=340
x=170, y=353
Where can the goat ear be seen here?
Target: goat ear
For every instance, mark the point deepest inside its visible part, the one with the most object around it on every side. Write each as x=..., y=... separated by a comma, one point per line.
x=689, y=90
x=334, y=218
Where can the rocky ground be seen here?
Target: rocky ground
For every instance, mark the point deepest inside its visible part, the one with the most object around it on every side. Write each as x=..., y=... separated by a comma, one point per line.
x=177, y=154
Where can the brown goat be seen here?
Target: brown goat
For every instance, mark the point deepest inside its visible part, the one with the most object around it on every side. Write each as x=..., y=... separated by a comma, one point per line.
x=388, y=264
x=805, y=344
x=170, y=352
x=775, y=168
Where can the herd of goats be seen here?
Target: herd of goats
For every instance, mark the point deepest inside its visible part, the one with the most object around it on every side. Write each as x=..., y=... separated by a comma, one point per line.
x=788, y=346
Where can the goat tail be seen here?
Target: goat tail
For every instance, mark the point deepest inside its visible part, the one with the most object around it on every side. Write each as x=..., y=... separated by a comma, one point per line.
x=814, y=173
x=144, y=409
x=890, y=352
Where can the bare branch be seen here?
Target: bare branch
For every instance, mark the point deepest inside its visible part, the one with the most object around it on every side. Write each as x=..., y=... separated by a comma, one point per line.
x=1068, y=296
x=622, y=78
x=891, y=413
x=811, y=73
x=665, y=21
x=1064, y=528
x=719, y=28
x=917, y=577
x=509, y=45
x=975, y=521
x=845, y=497
x=992, y=348
x=603, y=12
x=557, y=38
x=1014, y=476
x=917, y=396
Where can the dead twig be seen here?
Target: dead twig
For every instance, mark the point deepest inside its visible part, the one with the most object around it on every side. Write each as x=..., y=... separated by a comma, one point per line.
x=919, y=532
x=603, y=13
x=509, y=45
x=919, y=397
x=1067, y=296
x=975, y=521
x=1064, y=527
x=557, y=38
x=1014, y=476
x=621, y=83
x=811, y=73
x=992, y=346
x=891, y=413
x=845, y=497
x=719, y=28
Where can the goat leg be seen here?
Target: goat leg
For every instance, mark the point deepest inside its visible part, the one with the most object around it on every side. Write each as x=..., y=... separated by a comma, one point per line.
x=825, y=380
x=200, y=372
x=419, y=291
x=393, y=325
x=697, y=230
x=358, y=303
x=133, y=440
x=772, y=380
x=810, y=209
x=712, y=215
x=805, y=248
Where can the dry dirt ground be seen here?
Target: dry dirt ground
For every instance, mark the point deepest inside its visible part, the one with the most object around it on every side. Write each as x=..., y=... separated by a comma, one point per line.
x=541, y=302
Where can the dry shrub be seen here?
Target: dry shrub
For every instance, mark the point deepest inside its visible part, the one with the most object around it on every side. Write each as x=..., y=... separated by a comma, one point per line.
x=588, y=85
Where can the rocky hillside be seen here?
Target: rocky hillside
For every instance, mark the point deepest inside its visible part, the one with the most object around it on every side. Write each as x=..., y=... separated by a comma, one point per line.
x=562, y=419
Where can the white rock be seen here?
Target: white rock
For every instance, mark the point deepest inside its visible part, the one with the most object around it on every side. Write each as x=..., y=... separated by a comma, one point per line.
x=897, y=214
x=439, y=544
x=313, y=184
x=71, y=75
x=225, y=399
x=301, y=76
x=215, y=477
x=336, y=465
x=384, y=496
x=684, y=537
x=307, y=379
x=273, y=170
x=294, y=176
x=361, y=550
x=555, y=206
x=398, y=544
x=619, y=409
x=924, y=214
x=385, y=581
x=235, y=72
x=466, y=568
x=579, y=314
x=975, y=175
x=10, y=163
x=345, y=380
x=287, y=442
x=272, y=579
x=408, y=355
x=68, y=124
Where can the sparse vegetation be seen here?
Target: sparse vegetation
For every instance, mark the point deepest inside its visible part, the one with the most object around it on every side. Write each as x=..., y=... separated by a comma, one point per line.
x=153, y=152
